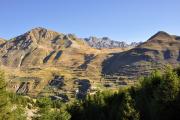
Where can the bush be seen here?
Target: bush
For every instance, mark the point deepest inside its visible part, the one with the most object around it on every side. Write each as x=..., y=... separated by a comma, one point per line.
x=9, y=109
x=44, y=102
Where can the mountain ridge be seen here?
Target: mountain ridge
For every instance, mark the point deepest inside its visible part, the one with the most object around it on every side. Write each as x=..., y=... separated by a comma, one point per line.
x=37, y=60
x=159, y=50
x=36, y=57
x=106, y=42
x=92, y=41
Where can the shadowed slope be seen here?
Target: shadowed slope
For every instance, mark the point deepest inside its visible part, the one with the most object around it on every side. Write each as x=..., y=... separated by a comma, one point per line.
x=159, y=50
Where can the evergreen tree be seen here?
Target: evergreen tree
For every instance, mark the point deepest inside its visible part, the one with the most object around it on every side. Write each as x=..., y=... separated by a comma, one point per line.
x=169, y=87
x=127, y=110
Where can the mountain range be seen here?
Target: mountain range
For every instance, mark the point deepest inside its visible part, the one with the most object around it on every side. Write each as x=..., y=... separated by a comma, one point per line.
x=106, y=42
x=43, y=62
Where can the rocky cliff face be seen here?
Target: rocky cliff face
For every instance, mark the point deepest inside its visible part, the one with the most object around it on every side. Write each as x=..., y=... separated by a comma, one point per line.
x=106, y=42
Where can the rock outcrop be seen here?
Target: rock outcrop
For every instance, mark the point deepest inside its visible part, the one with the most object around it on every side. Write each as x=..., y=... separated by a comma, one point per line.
x=106, y=42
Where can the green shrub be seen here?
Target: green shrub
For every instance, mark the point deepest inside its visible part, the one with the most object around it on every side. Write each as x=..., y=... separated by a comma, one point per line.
x=44, y=102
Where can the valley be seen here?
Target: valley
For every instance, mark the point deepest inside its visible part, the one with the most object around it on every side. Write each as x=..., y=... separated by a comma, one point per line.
x=43, y=62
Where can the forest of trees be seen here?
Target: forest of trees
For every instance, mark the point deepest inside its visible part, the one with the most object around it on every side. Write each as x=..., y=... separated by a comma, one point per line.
x=156, y=97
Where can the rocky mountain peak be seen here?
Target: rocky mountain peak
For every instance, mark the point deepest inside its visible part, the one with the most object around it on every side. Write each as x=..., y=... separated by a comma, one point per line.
x=40, y=34
x=39, y=28
x=105, y=38
x=106, y=42
x=161, y=41
x=161, y=35
x=34, y=37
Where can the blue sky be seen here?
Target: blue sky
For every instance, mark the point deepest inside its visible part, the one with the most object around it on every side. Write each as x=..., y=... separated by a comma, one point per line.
x=123, y=20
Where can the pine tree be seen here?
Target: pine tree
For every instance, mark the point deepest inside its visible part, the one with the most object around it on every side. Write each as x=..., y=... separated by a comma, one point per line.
x=127, y=109
x=169, y=87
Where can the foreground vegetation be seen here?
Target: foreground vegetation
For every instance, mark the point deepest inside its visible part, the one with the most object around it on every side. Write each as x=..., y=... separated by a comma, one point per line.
x=156, y=97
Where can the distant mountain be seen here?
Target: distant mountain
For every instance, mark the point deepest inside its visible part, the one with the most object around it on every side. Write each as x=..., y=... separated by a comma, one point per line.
x=161, y=49
x=106, y=42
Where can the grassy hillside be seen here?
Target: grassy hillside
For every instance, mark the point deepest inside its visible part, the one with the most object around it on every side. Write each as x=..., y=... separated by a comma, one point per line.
x=161, y=49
